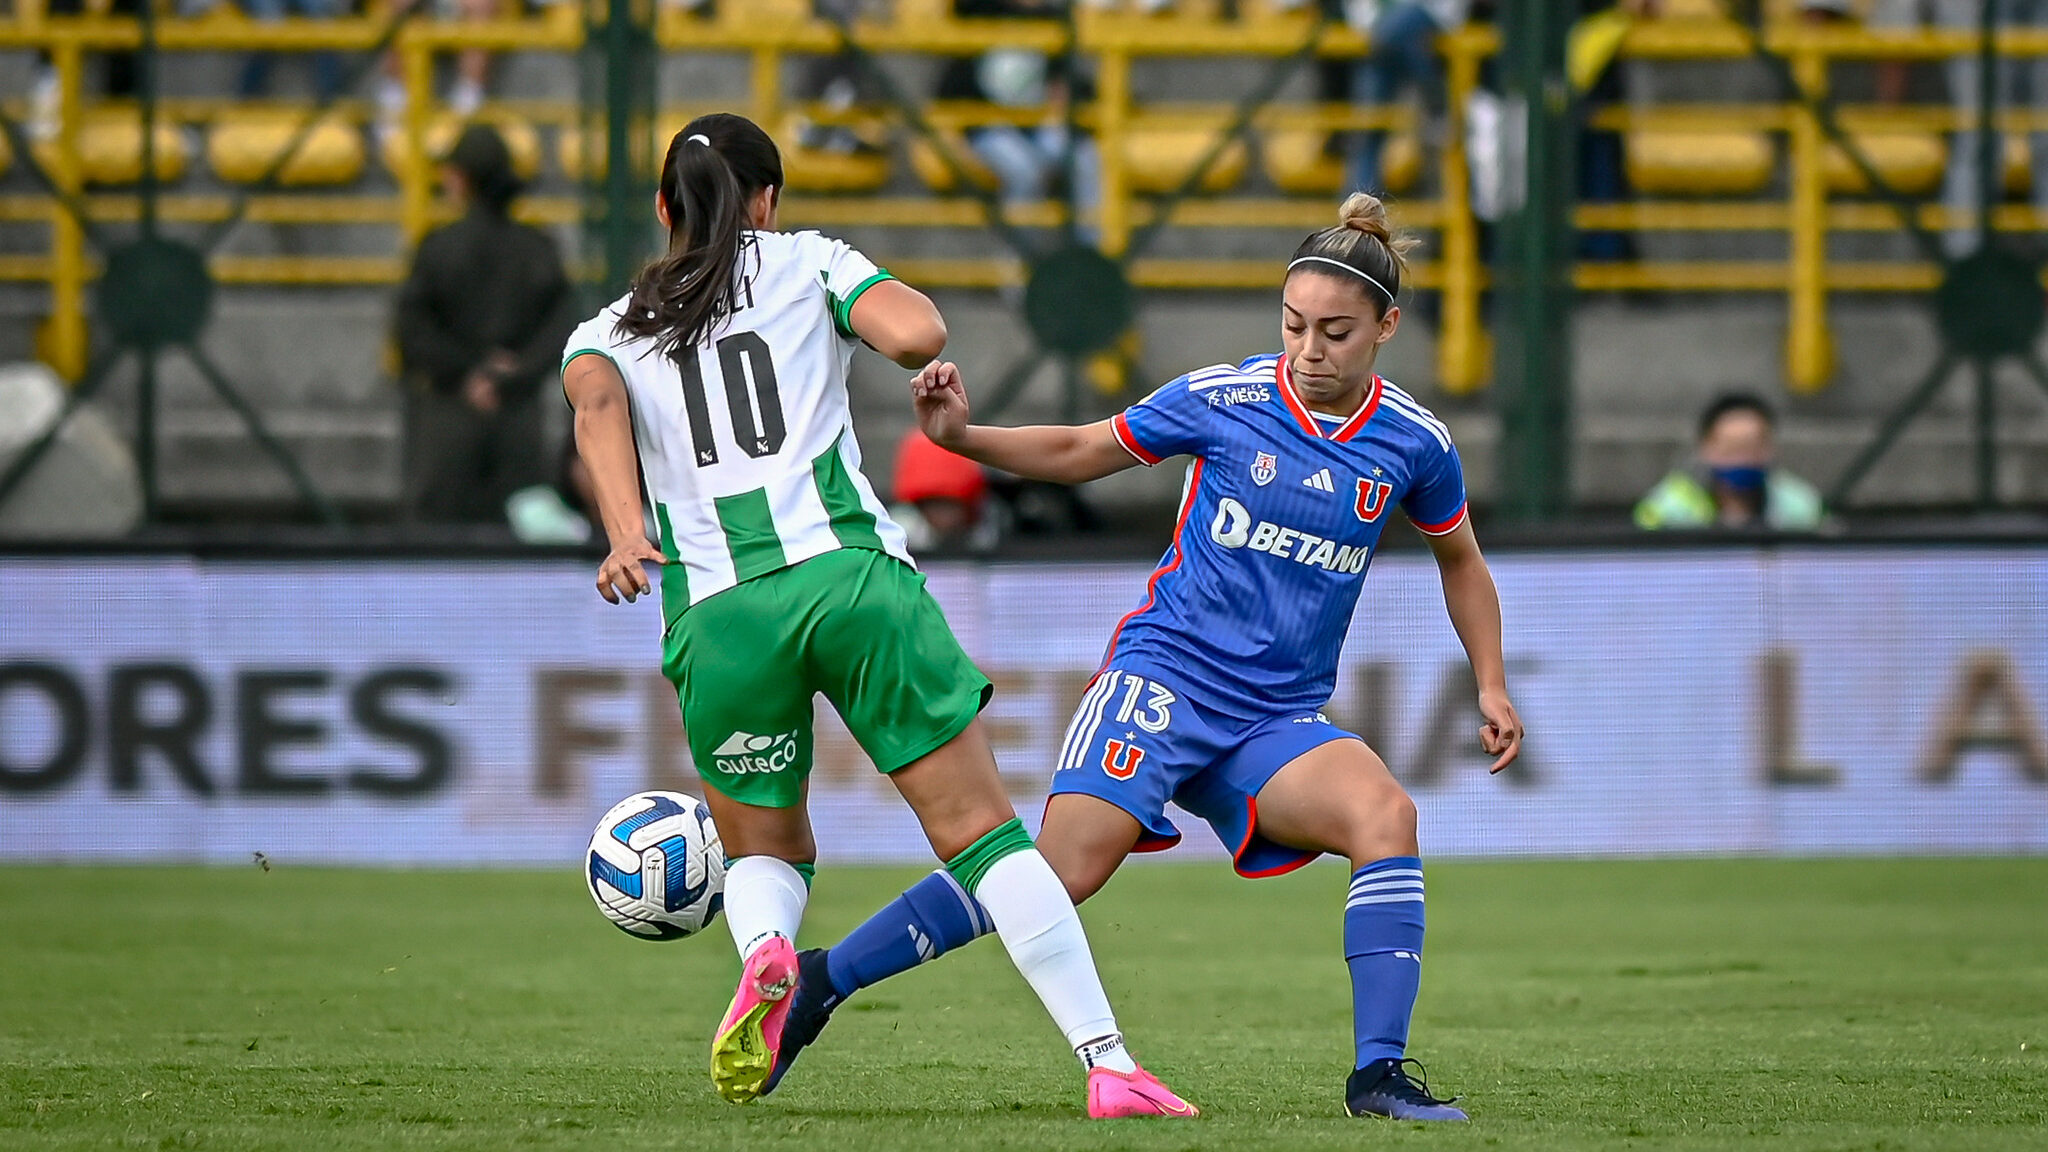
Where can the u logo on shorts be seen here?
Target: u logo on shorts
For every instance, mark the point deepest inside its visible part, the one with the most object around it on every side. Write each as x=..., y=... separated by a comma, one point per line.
x=1121, y=760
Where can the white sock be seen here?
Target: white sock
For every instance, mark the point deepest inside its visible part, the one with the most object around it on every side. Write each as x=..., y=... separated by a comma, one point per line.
x=1043, y=934
x=763, y=897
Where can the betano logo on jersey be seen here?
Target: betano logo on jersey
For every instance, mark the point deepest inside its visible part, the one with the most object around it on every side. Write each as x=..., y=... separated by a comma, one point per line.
x=1233, y=528
x=744, y=752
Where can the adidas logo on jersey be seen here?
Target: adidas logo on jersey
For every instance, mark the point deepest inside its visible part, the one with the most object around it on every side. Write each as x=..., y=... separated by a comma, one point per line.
x=744, y=752
x=1321, y=482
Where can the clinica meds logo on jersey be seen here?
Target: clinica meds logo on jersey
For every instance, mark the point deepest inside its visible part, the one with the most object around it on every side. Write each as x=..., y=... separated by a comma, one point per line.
x=1265, y=466
x=744, y=752
x=1226, y=395
x=1233, y=528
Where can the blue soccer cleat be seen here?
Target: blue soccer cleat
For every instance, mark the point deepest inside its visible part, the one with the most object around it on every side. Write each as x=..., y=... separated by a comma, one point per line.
x=809, y=1011
x=1384, y=1088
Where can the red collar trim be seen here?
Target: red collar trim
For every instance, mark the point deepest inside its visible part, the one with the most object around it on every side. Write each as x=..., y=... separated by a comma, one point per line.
x=1359, y=418
x=1307, y=419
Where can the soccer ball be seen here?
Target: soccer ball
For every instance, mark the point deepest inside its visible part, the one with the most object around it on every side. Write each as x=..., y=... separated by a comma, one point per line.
x=657, y=869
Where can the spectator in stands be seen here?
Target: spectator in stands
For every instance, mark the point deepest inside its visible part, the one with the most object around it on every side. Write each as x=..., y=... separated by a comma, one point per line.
x=120, y=75
x=560, y=512
x=2016, y=83
x=480, y=324
x=1734, y=480
x=255, y=78
x=941, y=499
x=1603, y=169
x=1403, y=53
x=472, y=66
x=835, y=81
x=1029, y=163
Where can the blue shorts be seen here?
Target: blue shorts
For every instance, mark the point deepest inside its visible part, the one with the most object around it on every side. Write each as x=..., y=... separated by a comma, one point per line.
x=1140, y=738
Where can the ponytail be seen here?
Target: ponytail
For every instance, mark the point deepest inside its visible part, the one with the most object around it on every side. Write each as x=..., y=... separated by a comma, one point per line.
x=713, y=168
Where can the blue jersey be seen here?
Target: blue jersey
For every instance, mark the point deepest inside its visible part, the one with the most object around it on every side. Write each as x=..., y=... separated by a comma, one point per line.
x=1278, y=523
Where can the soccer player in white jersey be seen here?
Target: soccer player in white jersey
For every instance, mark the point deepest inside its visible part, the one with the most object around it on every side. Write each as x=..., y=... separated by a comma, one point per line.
x=717, y=387
x=1210, y=693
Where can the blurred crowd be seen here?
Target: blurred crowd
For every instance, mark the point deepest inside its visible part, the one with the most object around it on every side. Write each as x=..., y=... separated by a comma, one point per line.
x=477, y=367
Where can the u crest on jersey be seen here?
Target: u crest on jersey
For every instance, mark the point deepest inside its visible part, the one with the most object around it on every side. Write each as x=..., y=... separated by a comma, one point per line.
x=1372, y=498
x=1121, y=760
x=1265, y=466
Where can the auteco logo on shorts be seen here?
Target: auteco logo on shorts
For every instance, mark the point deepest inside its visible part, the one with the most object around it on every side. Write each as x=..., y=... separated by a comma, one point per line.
x=745, y=752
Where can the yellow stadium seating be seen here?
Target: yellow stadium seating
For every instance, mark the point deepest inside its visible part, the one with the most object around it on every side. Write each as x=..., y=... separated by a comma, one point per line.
x=1275, y=9
x=1911, y=162
x=818, y=170
x=1159, y=160
x=6, y=155
x=110, y=149
x=803, y=169
x=1198, y=10
x=1693, y=10
x=244, y=144
x=520, y=139
x=934, y=172
x=753, y=13
x=1298, y=164
x=1664, y=163
x=2019, y=171
x=911, y=13
x=569, y=153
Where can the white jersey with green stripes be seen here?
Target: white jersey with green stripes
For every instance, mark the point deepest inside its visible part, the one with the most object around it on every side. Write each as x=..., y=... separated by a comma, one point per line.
x=746, y=442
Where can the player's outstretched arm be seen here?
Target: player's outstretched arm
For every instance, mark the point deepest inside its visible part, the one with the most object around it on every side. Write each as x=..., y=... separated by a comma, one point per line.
x=604, y=438
x=899, y=322
x=1474, y=604
x=1060, y=453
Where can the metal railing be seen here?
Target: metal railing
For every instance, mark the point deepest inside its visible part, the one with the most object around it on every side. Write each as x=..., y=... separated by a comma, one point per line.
x=1805, y=214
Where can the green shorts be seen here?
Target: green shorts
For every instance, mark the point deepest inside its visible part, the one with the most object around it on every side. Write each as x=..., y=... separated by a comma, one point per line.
x=854, y=624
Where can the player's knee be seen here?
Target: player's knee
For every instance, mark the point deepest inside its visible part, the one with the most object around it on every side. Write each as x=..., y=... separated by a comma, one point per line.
x=1081, y=869
x=1382, y=823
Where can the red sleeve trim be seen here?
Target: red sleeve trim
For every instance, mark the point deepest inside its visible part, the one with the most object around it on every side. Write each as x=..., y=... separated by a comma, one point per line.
x=1122, y=429
x=1445, y=528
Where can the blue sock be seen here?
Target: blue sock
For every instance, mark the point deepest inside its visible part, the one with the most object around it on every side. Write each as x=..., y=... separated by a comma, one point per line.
x=1383, y=946
x=932, y=918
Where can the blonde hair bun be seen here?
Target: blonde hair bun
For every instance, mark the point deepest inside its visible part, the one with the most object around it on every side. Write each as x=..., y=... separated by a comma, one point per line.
x=1367, y=213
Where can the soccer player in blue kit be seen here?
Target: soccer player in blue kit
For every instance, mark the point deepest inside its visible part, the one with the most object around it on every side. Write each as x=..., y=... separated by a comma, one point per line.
x=1208, y=694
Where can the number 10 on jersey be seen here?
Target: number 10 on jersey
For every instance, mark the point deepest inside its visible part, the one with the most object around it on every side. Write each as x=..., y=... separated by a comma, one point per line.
x=756, y=411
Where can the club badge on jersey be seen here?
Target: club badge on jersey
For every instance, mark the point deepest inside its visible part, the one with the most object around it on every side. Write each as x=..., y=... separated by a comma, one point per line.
x=1372, y=497
x=1264, y=467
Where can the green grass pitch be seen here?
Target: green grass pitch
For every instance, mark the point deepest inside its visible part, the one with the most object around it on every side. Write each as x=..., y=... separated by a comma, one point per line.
x=1689, y=1005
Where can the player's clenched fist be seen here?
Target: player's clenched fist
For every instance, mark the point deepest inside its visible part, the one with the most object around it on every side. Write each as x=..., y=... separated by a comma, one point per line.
x=940, y=399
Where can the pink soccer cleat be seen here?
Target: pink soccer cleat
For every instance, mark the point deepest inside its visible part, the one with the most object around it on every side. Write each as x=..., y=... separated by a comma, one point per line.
x=1115, y=1095
x=743, y=1052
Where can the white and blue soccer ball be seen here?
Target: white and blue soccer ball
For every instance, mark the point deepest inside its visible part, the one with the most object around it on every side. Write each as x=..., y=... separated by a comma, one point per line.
x=657, y=868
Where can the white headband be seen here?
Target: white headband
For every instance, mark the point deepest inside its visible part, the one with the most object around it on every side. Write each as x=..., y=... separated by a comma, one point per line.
x=1300, y=260
x=698, y=138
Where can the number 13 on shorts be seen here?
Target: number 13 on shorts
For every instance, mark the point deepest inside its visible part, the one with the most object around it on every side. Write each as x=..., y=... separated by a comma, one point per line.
x=1122, y=700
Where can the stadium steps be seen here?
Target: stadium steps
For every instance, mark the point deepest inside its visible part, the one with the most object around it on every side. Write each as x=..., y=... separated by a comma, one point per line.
x=313, y=358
